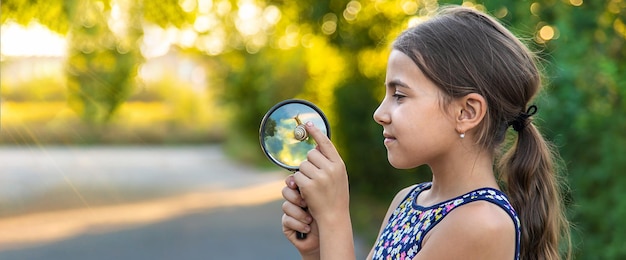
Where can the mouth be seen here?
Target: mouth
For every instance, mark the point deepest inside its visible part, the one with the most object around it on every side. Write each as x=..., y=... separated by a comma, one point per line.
x=388, y=138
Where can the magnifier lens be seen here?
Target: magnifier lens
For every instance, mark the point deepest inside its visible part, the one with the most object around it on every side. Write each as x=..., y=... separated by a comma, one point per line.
x=283, y=137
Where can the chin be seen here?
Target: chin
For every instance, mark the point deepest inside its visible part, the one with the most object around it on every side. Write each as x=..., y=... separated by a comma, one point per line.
x=400, y=165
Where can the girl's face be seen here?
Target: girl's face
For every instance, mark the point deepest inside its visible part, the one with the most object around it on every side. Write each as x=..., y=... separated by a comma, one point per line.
x=416, y=128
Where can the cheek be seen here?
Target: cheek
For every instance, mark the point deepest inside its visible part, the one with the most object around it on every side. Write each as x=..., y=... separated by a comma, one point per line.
x=413, y=121
x=429, y=129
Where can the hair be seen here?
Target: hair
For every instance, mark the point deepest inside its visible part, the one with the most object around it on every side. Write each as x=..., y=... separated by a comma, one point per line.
x=465, y=51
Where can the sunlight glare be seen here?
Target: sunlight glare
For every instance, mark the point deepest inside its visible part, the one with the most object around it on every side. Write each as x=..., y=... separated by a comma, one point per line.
x=204, y=6
x=272, y=14
x=204, y=23
x=117, y=19
x=213, y=44
x=187, y=37
x=156, y=41
x=414, y=21
x=22, y=231
x=223, y=8
x=247, y=21
x=33, y=40
x=187, y=5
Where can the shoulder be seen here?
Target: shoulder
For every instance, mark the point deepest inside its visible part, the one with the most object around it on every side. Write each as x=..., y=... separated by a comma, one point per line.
x=485, y=217
x=478, y=230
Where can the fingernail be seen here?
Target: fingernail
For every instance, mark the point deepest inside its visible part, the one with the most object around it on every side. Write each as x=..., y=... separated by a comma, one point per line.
x=309, y=123
x=292, y=183
x=309, y=219
x=307, y=229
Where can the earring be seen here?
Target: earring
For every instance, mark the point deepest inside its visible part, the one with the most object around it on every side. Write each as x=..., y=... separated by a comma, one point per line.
x=462, y=135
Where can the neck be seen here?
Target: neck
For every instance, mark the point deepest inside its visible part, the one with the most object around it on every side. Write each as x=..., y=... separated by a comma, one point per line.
x=464, y=170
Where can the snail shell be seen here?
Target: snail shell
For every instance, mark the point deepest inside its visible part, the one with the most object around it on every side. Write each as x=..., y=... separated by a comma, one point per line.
x=300, y=133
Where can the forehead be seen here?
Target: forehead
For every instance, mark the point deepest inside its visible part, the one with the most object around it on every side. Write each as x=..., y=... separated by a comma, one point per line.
x=398, y=58
x=401, y=67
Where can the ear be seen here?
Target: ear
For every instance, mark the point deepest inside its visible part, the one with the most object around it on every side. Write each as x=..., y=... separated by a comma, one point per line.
x=470, y=111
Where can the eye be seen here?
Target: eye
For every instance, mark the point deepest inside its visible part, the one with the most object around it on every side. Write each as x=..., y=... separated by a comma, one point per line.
x=398, y=96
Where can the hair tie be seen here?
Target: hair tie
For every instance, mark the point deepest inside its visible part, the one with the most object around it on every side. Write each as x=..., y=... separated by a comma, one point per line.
x=521, y=120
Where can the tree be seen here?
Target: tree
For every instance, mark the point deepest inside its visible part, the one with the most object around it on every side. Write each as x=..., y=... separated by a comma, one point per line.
x=101, y=66
x=102, y=61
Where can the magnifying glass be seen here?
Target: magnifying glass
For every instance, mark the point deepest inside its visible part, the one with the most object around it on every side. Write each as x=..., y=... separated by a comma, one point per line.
x=283, y=137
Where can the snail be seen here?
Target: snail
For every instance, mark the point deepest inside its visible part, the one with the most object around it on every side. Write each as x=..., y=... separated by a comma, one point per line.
x=299, y=132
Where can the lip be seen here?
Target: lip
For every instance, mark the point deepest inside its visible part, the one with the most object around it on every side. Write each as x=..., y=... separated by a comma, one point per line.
x=388, y=138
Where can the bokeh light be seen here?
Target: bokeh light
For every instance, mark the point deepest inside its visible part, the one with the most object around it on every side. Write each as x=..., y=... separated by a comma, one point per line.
x=576, y=2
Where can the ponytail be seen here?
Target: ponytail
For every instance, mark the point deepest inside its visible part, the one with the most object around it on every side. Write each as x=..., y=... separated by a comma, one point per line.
x=533, y=188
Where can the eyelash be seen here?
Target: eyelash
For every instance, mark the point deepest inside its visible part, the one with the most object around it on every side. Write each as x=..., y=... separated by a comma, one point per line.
x=398, y=97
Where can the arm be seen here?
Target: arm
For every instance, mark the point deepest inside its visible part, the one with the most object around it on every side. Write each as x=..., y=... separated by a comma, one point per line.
x=323, y=183
x=336, y=239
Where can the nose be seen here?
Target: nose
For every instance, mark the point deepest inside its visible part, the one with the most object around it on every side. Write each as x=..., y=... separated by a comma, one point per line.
x=380, y=115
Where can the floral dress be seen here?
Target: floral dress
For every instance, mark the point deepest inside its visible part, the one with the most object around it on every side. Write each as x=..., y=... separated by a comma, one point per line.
x=409, y=223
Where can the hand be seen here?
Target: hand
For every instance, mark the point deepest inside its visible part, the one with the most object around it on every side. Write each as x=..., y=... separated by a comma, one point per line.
x=297, y=219
x=323, y=180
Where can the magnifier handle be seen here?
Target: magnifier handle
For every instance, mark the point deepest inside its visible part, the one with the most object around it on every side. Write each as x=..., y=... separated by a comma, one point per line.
x=300, y=235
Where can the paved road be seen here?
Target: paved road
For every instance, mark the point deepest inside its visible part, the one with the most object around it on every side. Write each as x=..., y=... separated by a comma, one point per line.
x=137, y=203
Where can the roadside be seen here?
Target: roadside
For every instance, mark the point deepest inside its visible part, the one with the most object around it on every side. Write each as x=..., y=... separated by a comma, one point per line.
x=35, y=179
x=186, y=202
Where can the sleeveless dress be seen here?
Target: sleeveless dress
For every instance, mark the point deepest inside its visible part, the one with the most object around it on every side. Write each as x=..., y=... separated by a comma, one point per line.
x=409, y=223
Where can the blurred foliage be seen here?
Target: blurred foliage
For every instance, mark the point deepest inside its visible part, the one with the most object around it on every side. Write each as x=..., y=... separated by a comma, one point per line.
x=586, y=99
x=45, y=89
x=35, y=112
x=54, y=13
x=101, y=66
x=333, y=53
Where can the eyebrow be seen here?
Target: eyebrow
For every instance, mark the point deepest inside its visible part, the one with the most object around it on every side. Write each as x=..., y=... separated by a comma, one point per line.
x=396, y=83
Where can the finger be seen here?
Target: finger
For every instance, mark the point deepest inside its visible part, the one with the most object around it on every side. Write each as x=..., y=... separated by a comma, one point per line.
x=309, y=169
x=290, y=223
x=324, y=144
x=293, y=196
x=291, y=183
x=296, y=212
x=299, y=176
x=302, y=181
x=316, y=158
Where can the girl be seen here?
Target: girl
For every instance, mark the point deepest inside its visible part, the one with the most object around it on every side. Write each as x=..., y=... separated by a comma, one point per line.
x=454, y=85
